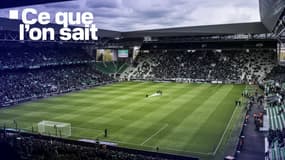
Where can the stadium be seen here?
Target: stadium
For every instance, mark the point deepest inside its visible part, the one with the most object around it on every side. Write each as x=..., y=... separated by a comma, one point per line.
x=199, y=92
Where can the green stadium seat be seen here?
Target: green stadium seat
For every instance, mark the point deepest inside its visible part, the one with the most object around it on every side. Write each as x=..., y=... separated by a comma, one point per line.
x=276, y=121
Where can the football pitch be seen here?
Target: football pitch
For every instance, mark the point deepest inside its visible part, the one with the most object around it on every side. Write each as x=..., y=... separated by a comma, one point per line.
x=185, y=119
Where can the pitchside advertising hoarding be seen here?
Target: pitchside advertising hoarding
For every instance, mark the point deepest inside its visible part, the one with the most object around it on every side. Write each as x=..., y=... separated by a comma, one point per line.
x=76, y=26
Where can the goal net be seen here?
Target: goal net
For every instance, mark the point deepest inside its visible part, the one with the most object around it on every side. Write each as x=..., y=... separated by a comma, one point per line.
x=55, y=128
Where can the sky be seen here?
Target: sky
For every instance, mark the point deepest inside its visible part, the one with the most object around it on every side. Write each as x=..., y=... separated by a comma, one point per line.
x=130, y=15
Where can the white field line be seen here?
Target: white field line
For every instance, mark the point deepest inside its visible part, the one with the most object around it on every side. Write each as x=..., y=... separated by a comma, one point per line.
x=148, y=146
x=157, y=132
x=228, y=125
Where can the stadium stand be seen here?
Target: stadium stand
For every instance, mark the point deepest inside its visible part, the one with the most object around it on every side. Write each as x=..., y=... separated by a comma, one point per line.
x=277, y=74
x=37, y=147
x=277, y=152
x=18, y=86
x=111, y=67
x=34, y=70
x=226, y=65
x=277, y=117
x=17, y=55
x=274, y=149
x=39, y=70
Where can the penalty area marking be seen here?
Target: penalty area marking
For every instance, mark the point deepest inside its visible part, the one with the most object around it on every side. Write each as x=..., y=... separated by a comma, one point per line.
x=156, y=133
x=183, y=152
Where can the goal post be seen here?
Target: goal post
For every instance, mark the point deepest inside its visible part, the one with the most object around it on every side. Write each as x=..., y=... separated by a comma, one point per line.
x=60, y=129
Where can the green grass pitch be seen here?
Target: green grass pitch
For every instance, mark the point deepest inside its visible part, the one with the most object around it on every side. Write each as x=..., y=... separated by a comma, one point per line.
x=187, y=118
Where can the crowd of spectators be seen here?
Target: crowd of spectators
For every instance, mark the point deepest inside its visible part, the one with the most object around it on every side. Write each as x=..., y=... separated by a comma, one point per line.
x=33, y=55
x=277, y=74
x=31, y=147
x=276, y=135
x=275, y=146
x=22, y=85
x=222, y=65
x=35, y=70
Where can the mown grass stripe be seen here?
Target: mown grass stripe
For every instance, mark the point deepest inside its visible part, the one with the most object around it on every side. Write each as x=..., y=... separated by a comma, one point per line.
x=212, y=119
x=152, y=110
x=167, y=108
x=174, y=133
x=129, y=116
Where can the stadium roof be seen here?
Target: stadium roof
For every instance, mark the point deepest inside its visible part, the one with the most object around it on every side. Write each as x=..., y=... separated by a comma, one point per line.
x=222, y=29
x=270, y=12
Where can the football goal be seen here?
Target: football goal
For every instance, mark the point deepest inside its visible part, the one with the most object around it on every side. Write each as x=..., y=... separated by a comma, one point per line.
x=59, y=129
